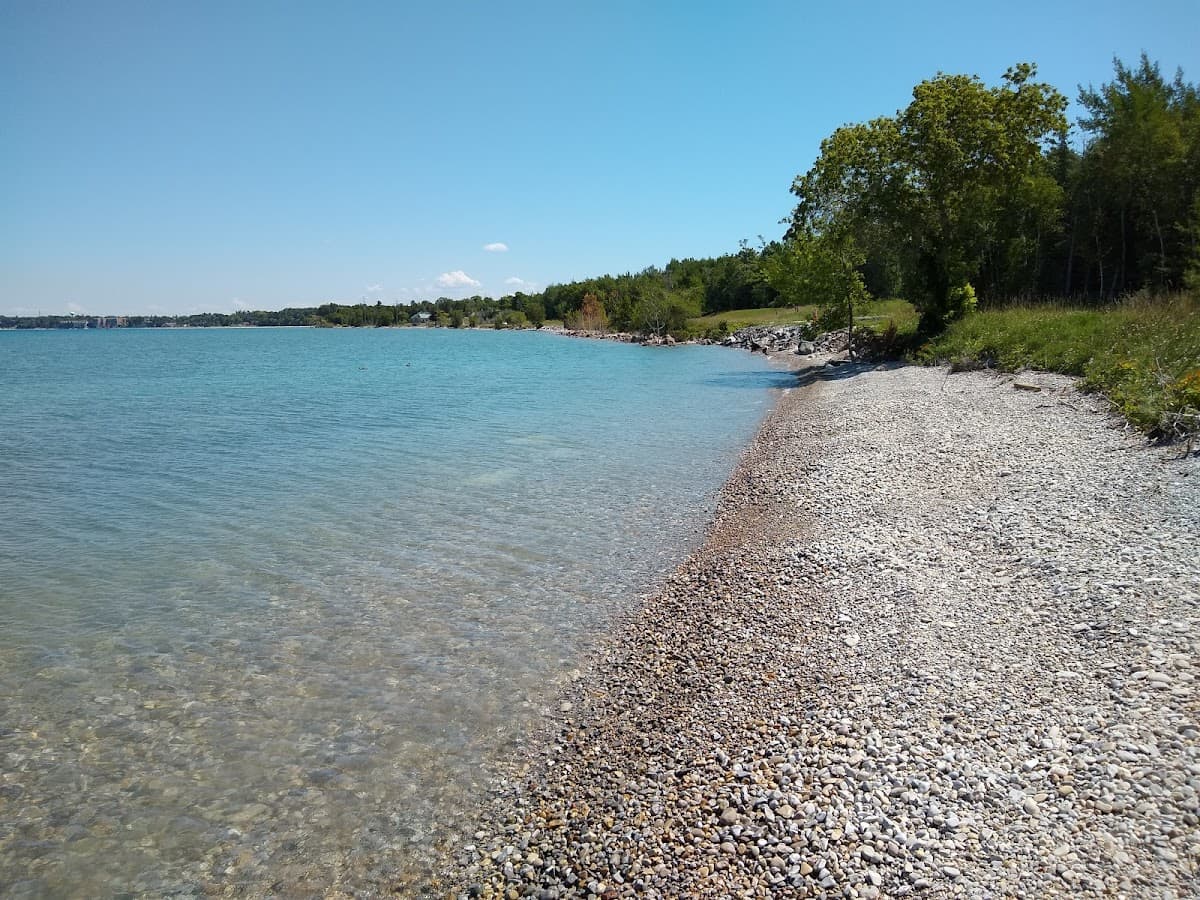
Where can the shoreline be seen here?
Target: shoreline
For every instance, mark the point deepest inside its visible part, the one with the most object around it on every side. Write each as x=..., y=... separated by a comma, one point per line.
x=916, y=653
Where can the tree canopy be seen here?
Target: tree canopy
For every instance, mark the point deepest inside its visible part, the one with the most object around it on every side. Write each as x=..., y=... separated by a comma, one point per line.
x=942, y=187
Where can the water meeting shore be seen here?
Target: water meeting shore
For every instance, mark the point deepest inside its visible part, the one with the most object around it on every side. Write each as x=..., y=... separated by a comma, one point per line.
x=941, y=639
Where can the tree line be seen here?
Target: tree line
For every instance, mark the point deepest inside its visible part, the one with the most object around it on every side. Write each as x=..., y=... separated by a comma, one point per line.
x=972, y=193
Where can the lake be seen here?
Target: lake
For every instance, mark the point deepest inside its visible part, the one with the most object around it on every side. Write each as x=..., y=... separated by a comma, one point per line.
x=274, y=602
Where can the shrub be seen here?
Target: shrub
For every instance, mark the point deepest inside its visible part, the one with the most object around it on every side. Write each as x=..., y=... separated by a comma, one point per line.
x=962, y=301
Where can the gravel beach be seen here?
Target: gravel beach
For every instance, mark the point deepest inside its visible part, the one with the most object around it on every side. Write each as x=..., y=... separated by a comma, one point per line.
x=942, y=640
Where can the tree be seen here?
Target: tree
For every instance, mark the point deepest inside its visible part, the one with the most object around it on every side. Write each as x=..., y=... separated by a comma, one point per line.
x=658, y=311
x=1143, y=165
x=933, y=182
x=820, y=270
x=590, y=316
x=534, y=309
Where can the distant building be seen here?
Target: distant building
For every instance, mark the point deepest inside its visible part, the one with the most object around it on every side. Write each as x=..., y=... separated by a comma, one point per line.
x=421, y=318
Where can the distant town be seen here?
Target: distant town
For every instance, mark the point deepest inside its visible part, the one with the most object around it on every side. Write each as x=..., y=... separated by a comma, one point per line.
x=75, y=321
x=203, y=320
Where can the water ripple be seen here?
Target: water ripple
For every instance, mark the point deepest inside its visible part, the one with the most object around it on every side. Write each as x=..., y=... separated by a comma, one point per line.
x=272, y=600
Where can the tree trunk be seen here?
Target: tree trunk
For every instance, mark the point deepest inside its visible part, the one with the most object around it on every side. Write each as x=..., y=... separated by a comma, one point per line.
x=1162, y=252
x=850, y=329
x=1120, y=277
x=1070, y=257
x=1037, y=259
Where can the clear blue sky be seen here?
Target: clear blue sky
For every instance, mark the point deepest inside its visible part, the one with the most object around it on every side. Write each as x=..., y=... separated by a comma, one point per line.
x=187, y=156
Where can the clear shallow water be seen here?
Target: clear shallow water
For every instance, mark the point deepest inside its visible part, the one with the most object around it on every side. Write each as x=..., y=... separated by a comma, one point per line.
x=272, y=600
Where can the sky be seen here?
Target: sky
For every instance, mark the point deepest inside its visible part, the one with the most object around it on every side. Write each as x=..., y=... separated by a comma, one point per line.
x=179, y=157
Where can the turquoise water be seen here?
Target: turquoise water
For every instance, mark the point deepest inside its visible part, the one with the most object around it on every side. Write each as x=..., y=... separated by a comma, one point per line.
x=273, y=600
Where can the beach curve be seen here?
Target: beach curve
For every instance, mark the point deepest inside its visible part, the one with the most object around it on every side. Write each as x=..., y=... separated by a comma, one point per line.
x=941, y=640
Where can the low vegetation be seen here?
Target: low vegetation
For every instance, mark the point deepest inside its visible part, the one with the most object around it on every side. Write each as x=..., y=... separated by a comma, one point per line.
x=1143, y=354
x=731, y=320
x=874, y=315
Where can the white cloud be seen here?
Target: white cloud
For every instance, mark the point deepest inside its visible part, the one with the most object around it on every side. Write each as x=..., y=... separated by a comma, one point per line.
x=497, y=247
x=374, y=288
x=76, y=309
x=457, y=279
x=521, y=283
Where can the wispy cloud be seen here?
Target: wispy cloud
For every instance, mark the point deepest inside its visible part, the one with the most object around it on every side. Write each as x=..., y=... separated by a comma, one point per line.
x=76, y=308
x=456, y=279
x=497, y=247
x=521, y=283
x=374, y=288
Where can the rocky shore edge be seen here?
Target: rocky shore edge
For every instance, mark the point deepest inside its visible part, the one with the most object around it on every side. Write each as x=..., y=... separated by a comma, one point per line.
x=941, y=640
x=769, y=339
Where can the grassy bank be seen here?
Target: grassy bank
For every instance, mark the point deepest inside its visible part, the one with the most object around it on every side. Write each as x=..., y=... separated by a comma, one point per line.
x=1143, y=354
x=744, y=318
x=874, y=315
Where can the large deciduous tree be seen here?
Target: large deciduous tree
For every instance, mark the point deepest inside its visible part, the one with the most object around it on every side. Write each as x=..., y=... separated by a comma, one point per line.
x=941, y=185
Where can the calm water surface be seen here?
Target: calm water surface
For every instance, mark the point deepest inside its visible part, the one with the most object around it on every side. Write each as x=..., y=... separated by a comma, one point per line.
x=271, y=601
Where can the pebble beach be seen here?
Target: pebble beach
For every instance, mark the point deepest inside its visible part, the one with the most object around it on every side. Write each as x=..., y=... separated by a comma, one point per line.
x=942, y=640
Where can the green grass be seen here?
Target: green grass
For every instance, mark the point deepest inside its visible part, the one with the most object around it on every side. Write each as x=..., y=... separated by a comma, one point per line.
x=875, y=315
x=878, y=313
x=744, y=318
x=1142, y=354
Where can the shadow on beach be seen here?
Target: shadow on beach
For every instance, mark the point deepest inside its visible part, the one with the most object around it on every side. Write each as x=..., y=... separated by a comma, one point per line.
x=777, y=378
x=838, y=370
x=809, y=373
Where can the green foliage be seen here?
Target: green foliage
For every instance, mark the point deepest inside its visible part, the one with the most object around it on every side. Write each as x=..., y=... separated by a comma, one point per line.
x=659, y=312
x=735, y=319
x=1136, y=190
x=591, y=315
x=1143, y=354
x=820, y=270
x=737, y=281
x=929, y=187
x=534, y=309
x=873, y=315
x=971, y=184
x=961, y=301
x=509, y=318
x=817, y=270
